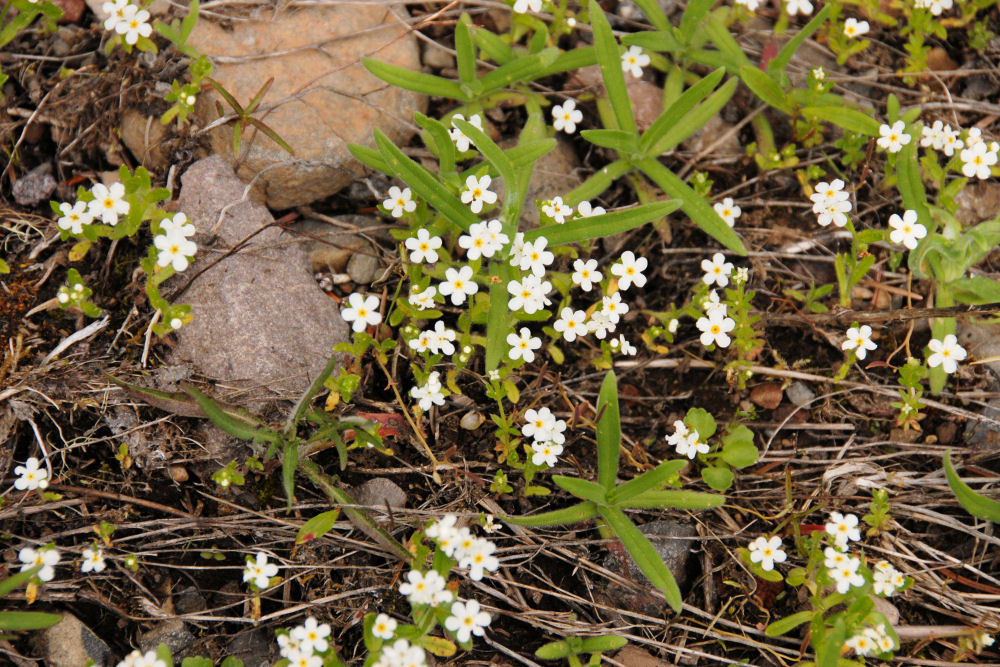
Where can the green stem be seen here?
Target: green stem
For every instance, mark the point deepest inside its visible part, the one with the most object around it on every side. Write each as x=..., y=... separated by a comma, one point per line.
x=306, y=398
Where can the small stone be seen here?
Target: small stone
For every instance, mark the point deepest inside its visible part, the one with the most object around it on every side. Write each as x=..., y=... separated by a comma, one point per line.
x=174, y=633
x=946, y=432
x=704, y=140
x=799, y=393
x=767, y=395
x=72, y=10
x=673, y=542
x=255, y=647
x=472, y=420
x=363, y=267
x=144, y=135
x=887, y=609
x=70, y=643
x=646, y=99
x=35, y=186
x=178, y=473
x=938, y=60
x=977, y=202
x=379, y=492
x=634, y=656
x=189, y=601
x=436, y=57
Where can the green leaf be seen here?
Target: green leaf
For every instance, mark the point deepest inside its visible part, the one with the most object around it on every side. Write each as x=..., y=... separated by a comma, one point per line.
x=525, y=68
x=163, y=653
x=428, y=84
x=679, y=109
x=694, y=13
x=767, y=89
x=654, y=13
x=609, y=431
x=4, y=266
x=787, y=624
x=659, y=41
x=848, y=119
x=492, y=46
x=499, y=317
x=696, y=119
x=649, y=480
x=618, y=140
x=317, y=527
x=369, y=157
x=737, y=447
x=490, y=150
x=581, y=488
x=228, y=422
x=528, y=153
x=780, y=61
x=17, y=580
x=232, y=662
x=602, y=644
x=609, y=58
x=911, y=186
x=694, y=205
x=27, y=620
x=600, y=181
x=197, y=661
x=731, y=56
x=445, y=147
x=271, y=134
x=702, y=421
x=570, y=60
x=553, y=651
x=719, y=478
x=974, y=503
x=977, y=290
x=573, y=514
x=683, y=500
x=465, y=53
x=424, y=183
x=289, y=463
x=644, y=555
x=600, y=226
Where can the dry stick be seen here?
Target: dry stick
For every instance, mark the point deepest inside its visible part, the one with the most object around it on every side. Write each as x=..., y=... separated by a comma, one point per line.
x=111, y=495
x=844, y=317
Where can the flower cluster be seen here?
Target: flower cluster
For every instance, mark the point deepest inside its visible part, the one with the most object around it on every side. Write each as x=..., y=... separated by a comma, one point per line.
x=127, y=19
x=547, y=434
x=138, y=659
x=107, y=204
x=258, y=571
x=430, y=393
x=831, y=203
x=940, y=137
x=936, y=7
x=686, y=440
x=871, y=640
x=401, y=654
x=173, y=242
x=716, y=324
x=301, y=644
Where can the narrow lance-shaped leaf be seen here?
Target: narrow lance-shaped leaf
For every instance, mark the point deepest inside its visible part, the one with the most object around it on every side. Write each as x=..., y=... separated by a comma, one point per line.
x=498, y=317
x=766, y=88
x=974, y=503
x=676, y=112
x=911, y=185
x=27, y=620
x=599, y=226
x=654, y=12
x=573, y=514
x=228, y=423
x=493, y=153
x=17, y=580
x=780, y=61
x=581, y=488
x=683, y=500
x=428, y=84
x=651, y=479
x=523, y=69
x=849, y=119
x=492, y=46
x=695, y=11
x=289, y=463
x=598, y=182
x=609, y=432
x=618, y=140
x=787, y=624
x=317, y=527
x=644, y=555
x=465, y=53
x=444, y=146
x=610, y=61
x=694, y=120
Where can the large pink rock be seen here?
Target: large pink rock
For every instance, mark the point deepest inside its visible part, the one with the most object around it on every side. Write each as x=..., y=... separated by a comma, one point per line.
x=322, y=98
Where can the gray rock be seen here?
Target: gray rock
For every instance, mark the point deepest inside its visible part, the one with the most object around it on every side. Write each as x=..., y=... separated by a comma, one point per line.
x=70, y=643
x=189, y=601
x=977, y=202
x=799, y=393
x=436, y=57
x=322, y=98
x=982, y=341
x=256, y=648
x=35, y=186
x=144, y=136
x=363, y=267
x=379, y=492
x=173, y=633
x=260, y=321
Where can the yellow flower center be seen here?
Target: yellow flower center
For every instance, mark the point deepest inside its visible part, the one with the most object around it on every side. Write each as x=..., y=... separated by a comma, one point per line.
x=477, y=193
x=109, y=203
x=400, y=202
x=716, y=328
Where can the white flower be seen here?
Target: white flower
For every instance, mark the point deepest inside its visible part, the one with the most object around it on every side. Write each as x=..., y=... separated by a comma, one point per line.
x=827, y=193
x=859, y=339
x=893, y=138
x=751, y=5
x=93, y=560
x=259, y=571
x=717, y=270
x=565, y=116
x=401, y=654
x=985, y=639
x=174, y=249
x=818, y=73
x=886, y=579
x=861, y=644
x=974, y=136
x=133, y=24
x=138, y=659
x=47, y=557
x=881, y=638
x=728, y=211
x=542, y=425
x=715, y=328
x=614, y=306
x=115, y=12
x=423, y=300
x=834, y=558
x=179, y=224
x=546, y=452
x=977, y=160
x=443, y=338
x=681, y=432
x=445, y=534
x=422, y=588
x=528, y=294
x=741, y=276
x=634, y=60
x=585, y=273
x=479, y=558
x=466, y=620
x=843, y=528
x=835, y=212
x=491, y=525
x=534, y=256
x=673, y=324
x=362, y=310
x=384, y=627
x=399, y=202
x=431, y=393
x=477, y=193
x=30, y=476
x=855, y=28
x=462, y=142
x=767, y=552
x=522, y=6
x=625, y=347
x=690, y=446
x=586, y=210
x=946, y=353
x=906, y=230
x=458, y=284
x=950, y=141
x=601, y=323
x=312, y=636
x=933, y=136
x=936, y=6
x=846, y=574
x=74, y=217
x=108, y=203
x=495, y=238
x=523, y=345
x=571, y=323
x=483, y=240
x=629, y=270
x=794, y=7
x=557, y=210
x=424, y=343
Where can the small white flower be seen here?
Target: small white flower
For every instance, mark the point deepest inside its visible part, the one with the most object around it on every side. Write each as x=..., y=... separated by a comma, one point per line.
x=614, y=307
x=362, y=311
x=115, y=12
x=477, y=193
x=741, y=276
x=835, y=212
x=601, y=324
x=529, y=294
x=623, y=346
x=491, y=525
x=176, y=323
x=843, y=529
x=462, y=142
x=30, y=476
x=420, y=588
x=523, y=6
x=431, y=393
x=933, y=136
x=133, y=24
x=977, y=160
x=859, y=339
x=312, y=636
x=258, y=571
x=861, y=644
x=793, y=7
x=466, y=620
x=690, y=445
x=950, y=141
x=138, y=659
x=886, y=579
x=946, y=353
x=587, y=210
x=751, y=5
x=629, y=270
x=634, y=60
x=557, y=210
x=715, y=328
x=523, y=345
x=892, y=139
x=827, y=193
x=571, y=323
x=542, y=425
x=818, y=73
x=846, y=574
x=534, y=256
x=175, y=249
x=565, y=117
x=423, y=300
x=93, y=560
x=478, y=558
x=717, y=270
x=585, y=274
x=179, y=224
x=672, y=325
x=47, y=557
x=108, y=203
x=74, y=217
x=495, y=238
x=399, y=202
x=906, y=230
x=728, y=211
x=834, y=558
x=767, y=552
x=546, y=452
x=936, y=6
x=458, y=284
x=855, y=28
x=384, y=627
x=483, y=240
